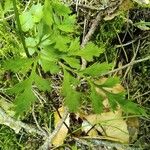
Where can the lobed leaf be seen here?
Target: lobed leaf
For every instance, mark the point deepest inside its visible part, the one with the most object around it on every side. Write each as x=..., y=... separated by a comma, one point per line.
x=42, y=84
x=61, y=9
x=23, y=102
x=111, y=82
x=97, y=69
x=20, y=87
x=72, y=98
x=73, y=62
x=130, y=107
x=89, y=51
x=68, y=24
x=112, y=101
x=37, y=12
x=62, y=43
x=49, y=66
x=26, y=21
x=97, y=100
x=74, y=45
x=48, y=13
x=18, y=64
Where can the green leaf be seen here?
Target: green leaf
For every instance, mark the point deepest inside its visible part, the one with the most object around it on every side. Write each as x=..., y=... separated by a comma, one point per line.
x=48, y=13
x=97, y=69
x=18, y=64
x=37, y=12
x=31, y=42
x=23, y=102
x=57, y=19
x=127, y=105
x=48, y=61
x=130, y=107
x=26, y=21
x=112, y=101
x=111, y=81
x=20, y=87
x=61, y=43
x=66, y=83
x=50, y=53
x=68, y=24
x=73, y=62
x=89, y=51
x=72, y=98
x=75, y=45
x=61, y=9
x=66, y=28
x=42, y=84
x=97, y=100
x=50, y=66
x=8, y=5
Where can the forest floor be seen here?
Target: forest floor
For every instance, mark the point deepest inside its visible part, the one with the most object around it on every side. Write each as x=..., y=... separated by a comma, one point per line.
x=127, y=39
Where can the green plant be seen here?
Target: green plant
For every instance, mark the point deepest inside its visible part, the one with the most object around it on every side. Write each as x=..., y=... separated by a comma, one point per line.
x=8, y=139
x=51, y=45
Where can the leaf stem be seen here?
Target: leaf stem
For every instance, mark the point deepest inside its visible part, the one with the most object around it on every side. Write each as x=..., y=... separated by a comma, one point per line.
x=19, y=28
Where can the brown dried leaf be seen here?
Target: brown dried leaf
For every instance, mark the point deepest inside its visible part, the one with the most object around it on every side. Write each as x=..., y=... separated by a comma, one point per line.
x=111, y=125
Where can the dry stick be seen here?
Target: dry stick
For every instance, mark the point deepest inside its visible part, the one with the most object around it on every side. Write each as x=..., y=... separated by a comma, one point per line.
x=98, y=18
x=135, y=54
x=97, y=141
x=88, y=36
x=141, y=95
x=9, y=121
x=36, y=122
x=49, y=139
x=127, y=65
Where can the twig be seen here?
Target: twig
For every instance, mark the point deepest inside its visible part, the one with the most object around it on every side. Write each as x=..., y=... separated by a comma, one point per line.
x=39, y=96
x=135, y=54
x=125, y=54
x=7, y=18
x=148, y=92
x=28, y=3
x=15, y=124
x=37, y=124
x=48, y=140
x=127, y=65
x=126, y=44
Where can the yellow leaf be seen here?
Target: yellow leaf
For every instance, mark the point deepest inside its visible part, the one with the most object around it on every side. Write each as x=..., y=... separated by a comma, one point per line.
x=88, y=128
x=62, y=133
x=111, y=125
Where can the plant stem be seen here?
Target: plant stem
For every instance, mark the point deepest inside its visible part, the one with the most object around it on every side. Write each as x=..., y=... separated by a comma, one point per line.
x=19, y=28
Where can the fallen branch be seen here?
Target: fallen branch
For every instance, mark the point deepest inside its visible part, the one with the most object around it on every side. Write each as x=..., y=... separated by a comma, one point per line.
x=99, y=142
x=17, y=125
